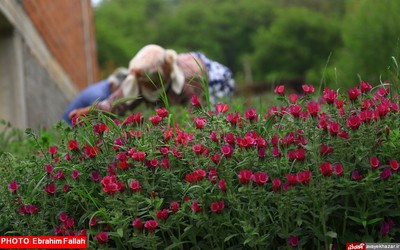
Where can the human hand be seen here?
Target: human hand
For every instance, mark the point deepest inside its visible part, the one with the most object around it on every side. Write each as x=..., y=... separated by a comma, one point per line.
x=78, y=112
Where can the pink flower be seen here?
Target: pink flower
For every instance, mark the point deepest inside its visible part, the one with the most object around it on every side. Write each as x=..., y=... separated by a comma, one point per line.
x=50, y=188
x=334, y=128
x=63, y=216
x=293, y=98
x=308, y=89
x=221, y=108
x=326, y=169
x=200, y=122
x=174, y=206
x=293, y=240
x=245, y=176
x=162, y=112
x=53, y=150
x=222, y=185
x=338, y=169
x=295, y=110
x=95, y=176
x=251, y=115
x=162, y=214
x=329, y=95
x=291, y=179
x=217, y=206
x=227, y=150
x=355, y=175
x=280, y=90
x=197, y=148
x=93, y=222
x=313, y=108
x=102, y=237
x=374, y=162
x=155, y=120
x=13, y=186
x=195, y=206
x=276, y=184
x=260, y=178
x=365, y=87
x=73, y=145
x=135, y=186
x=66, y=188
x=394, y=165
x=151, y=225
x=137, y=223
x=75, y=174
x=49, y=168
x=304, y=177
x=386, y=173
x=354, y=93
x=353, y=122
x=195, y=101
x=31, y=209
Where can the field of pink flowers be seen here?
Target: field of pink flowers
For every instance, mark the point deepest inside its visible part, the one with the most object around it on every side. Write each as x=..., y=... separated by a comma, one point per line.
x=310, y=173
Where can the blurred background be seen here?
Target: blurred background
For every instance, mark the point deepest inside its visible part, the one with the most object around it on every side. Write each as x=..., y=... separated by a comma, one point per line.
x=62, y=46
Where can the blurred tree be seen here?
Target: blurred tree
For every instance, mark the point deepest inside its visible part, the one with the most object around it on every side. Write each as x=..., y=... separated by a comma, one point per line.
x=298, y=40
x=371, y=37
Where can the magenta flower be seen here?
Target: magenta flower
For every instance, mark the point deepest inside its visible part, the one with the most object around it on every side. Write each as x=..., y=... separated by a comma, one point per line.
x=102, y=237
x=293, y=240
x=53, y=150
x=365, y=87
x=162, y=112
x=251, y=115
x=174, y=206
x=374, y=162
x=75, y=174
x=338, y=169
x=13, y=186
x=245, y=176
x=50, y=188
x=313, y=108
x=217, y=207
x=394, y=165
x=73, y=145
x=49, y=168
x=227, y=150
x=353, y=122
x=353, y=93
x=276, y=184
x=386, y=173
x=308, y=89
x=279, y=90
x=329, y=96
x=326, y=169
x=195, y=101
x=162, y=214
x=222, y=185
x=63, y=216
x=137, y=223
x=304, y=177
x=151, y=225
x=260, y=178
x=155, y=120
x=196, y=207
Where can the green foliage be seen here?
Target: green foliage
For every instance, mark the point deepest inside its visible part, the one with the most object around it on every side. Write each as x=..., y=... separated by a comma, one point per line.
x=320, y=206
x=370, y=33
x=298, y=40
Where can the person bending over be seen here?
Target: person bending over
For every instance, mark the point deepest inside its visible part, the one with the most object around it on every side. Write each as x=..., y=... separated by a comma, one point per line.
x=181, y=75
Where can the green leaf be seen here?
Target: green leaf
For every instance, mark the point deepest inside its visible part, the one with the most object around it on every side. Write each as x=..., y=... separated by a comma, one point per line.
x=331, y=234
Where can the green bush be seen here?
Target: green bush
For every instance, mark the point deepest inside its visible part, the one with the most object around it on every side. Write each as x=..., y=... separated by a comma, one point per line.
x=304, y=174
